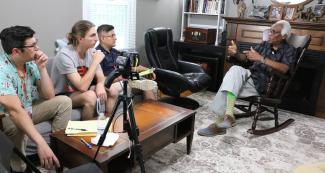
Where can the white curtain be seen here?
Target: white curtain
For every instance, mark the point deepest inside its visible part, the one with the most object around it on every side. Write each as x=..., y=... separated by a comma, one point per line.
x=119, y=13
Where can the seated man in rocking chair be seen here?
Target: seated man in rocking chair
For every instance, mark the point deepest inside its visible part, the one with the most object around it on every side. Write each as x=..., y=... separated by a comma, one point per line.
x=274, y=54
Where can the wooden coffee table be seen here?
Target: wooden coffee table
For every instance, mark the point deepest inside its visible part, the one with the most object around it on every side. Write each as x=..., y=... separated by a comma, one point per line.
x=159, y=123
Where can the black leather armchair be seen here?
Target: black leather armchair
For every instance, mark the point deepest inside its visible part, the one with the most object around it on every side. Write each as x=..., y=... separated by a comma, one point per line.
x=173, y=76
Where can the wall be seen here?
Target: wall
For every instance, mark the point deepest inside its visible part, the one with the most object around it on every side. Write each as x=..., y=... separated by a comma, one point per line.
x=54, y=19
x=50, y=19
x=155, y=13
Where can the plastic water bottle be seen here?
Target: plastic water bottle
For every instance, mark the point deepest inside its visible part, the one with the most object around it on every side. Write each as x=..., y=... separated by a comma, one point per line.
x=100, y=107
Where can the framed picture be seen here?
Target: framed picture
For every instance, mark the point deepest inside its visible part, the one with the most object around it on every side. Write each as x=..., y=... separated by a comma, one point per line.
x=319, y=10
x=288, y=13
x=276, y=12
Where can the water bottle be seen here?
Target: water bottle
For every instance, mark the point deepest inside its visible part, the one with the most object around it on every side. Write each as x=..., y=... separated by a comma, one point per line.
x=100, y=108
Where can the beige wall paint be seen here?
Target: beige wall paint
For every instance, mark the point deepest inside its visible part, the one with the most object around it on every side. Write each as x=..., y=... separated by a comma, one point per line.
x=53, y=19
x=156, y=13
x=50, y=19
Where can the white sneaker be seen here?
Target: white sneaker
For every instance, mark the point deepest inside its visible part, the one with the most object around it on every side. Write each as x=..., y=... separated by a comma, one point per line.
x=144, y=84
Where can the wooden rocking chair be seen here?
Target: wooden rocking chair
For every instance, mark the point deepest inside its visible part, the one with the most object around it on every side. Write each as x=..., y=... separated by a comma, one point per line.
x=276, y=89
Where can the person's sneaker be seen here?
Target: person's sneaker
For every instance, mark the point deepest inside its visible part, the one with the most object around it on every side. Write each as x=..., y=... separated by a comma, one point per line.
x=229, y=121
x=211, y=130
x=143, y=84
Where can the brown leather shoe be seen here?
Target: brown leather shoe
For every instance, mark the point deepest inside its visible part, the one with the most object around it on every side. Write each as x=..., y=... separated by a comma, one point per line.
x=211, y=130
x=229, y=121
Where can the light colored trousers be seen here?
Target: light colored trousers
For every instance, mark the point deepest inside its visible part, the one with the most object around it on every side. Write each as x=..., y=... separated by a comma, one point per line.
x=57, y=109
x=237, y=80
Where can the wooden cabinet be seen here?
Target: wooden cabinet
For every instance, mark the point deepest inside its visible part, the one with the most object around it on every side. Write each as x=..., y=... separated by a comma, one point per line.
x=203, y=14
x=308, y=89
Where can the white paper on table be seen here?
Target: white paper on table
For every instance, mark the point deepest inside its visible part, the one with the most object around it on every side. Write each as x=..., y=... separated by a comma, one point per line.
x=110, y=139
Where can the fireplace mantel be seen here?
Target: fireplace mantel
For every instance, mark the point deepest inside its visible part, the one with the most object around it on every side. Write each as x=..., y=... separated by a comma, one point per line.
x=247, y=32
x=263, y=22
x=250, y=30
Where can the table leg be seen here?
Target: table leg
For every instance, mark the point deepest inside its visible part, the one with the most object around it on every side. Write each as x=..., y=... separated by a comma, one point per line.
x=189, y=140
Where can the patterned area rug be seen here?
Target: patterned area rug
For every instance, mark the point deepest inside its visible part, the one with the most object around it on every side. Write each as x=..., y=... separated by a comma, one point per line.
x=240, y=152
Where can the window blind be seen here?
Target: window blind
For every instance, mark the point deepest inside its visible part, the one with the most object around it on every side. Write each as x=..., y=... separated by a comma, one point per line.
x=119, y=13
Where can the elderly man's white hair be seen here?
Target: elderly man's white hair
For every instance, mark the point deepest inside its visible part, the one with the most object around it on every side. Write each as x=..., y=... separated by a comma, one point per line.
x=286, y=28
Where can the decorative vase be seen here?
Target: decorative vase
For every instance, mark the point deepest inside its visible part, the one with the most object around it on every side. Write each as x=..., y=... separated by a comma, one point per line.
x=241, y=8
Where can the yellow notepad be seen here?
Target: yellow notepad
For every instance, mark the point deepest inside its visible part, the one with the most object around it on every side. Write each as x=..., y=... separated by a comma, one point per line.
x=146, y=72
x=81, y=128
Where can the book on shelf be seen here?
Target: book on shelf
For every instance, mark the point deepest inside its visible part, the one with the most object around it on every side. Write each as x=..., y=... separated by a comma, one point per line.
x=203, y=6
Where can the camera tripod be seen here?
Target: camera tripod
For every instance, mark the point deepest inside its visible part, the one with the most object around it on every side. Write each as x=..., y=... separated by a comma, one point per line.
x=129, y=125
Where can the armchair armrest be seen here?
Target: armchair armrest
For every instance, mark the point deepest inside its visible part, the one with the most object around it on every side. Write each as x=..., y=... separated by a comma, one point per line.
x=169, y=76
x=189, y=67
x=170, y=82
x=280, y=75
x=277, y=84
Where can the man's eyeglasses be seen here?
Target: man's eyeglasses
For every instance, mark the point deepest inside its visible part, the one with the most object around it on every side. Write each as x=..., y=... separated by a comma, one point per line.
x=113, y=35
x=273, y=32
x=34, y=45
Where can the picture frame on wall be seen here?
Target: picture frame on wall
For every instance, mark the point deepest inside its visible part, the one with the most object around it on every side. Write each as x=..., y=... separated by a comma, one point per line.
x=276, y=12
x=289, y=13
x=319, y=10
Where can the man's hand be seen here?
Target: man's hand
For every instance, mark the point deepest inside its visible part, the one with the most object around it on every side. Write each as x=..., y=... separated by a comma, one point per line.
x=101, y=93
x=141, y=68
x=252, y=55
x=232, y=48
x=153, y=76
x=120, y=78
x=41, y=59
x=97, y=56
x=47, y=158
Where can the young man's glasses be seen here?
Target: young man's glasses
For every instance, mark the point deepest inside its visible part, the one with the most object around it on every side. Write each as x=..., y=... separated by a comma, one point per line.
x=33, y=45
x=112, y=36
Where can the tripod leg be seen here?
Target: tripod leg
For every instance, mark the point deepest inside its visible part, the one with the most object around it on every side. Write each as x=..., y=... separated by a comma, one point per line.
x=133, y=135
x=103, y=135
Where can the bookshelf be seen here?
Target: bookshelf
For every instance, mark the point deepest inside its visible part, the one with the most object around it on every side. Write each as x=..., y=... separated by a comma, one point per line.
x=204, y=14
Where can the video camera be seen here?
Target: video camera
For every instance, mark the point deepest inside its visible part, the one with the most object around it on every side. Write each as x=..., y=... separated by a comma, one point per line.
x=123, y=66
x=133, y=56
x=125, y=61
